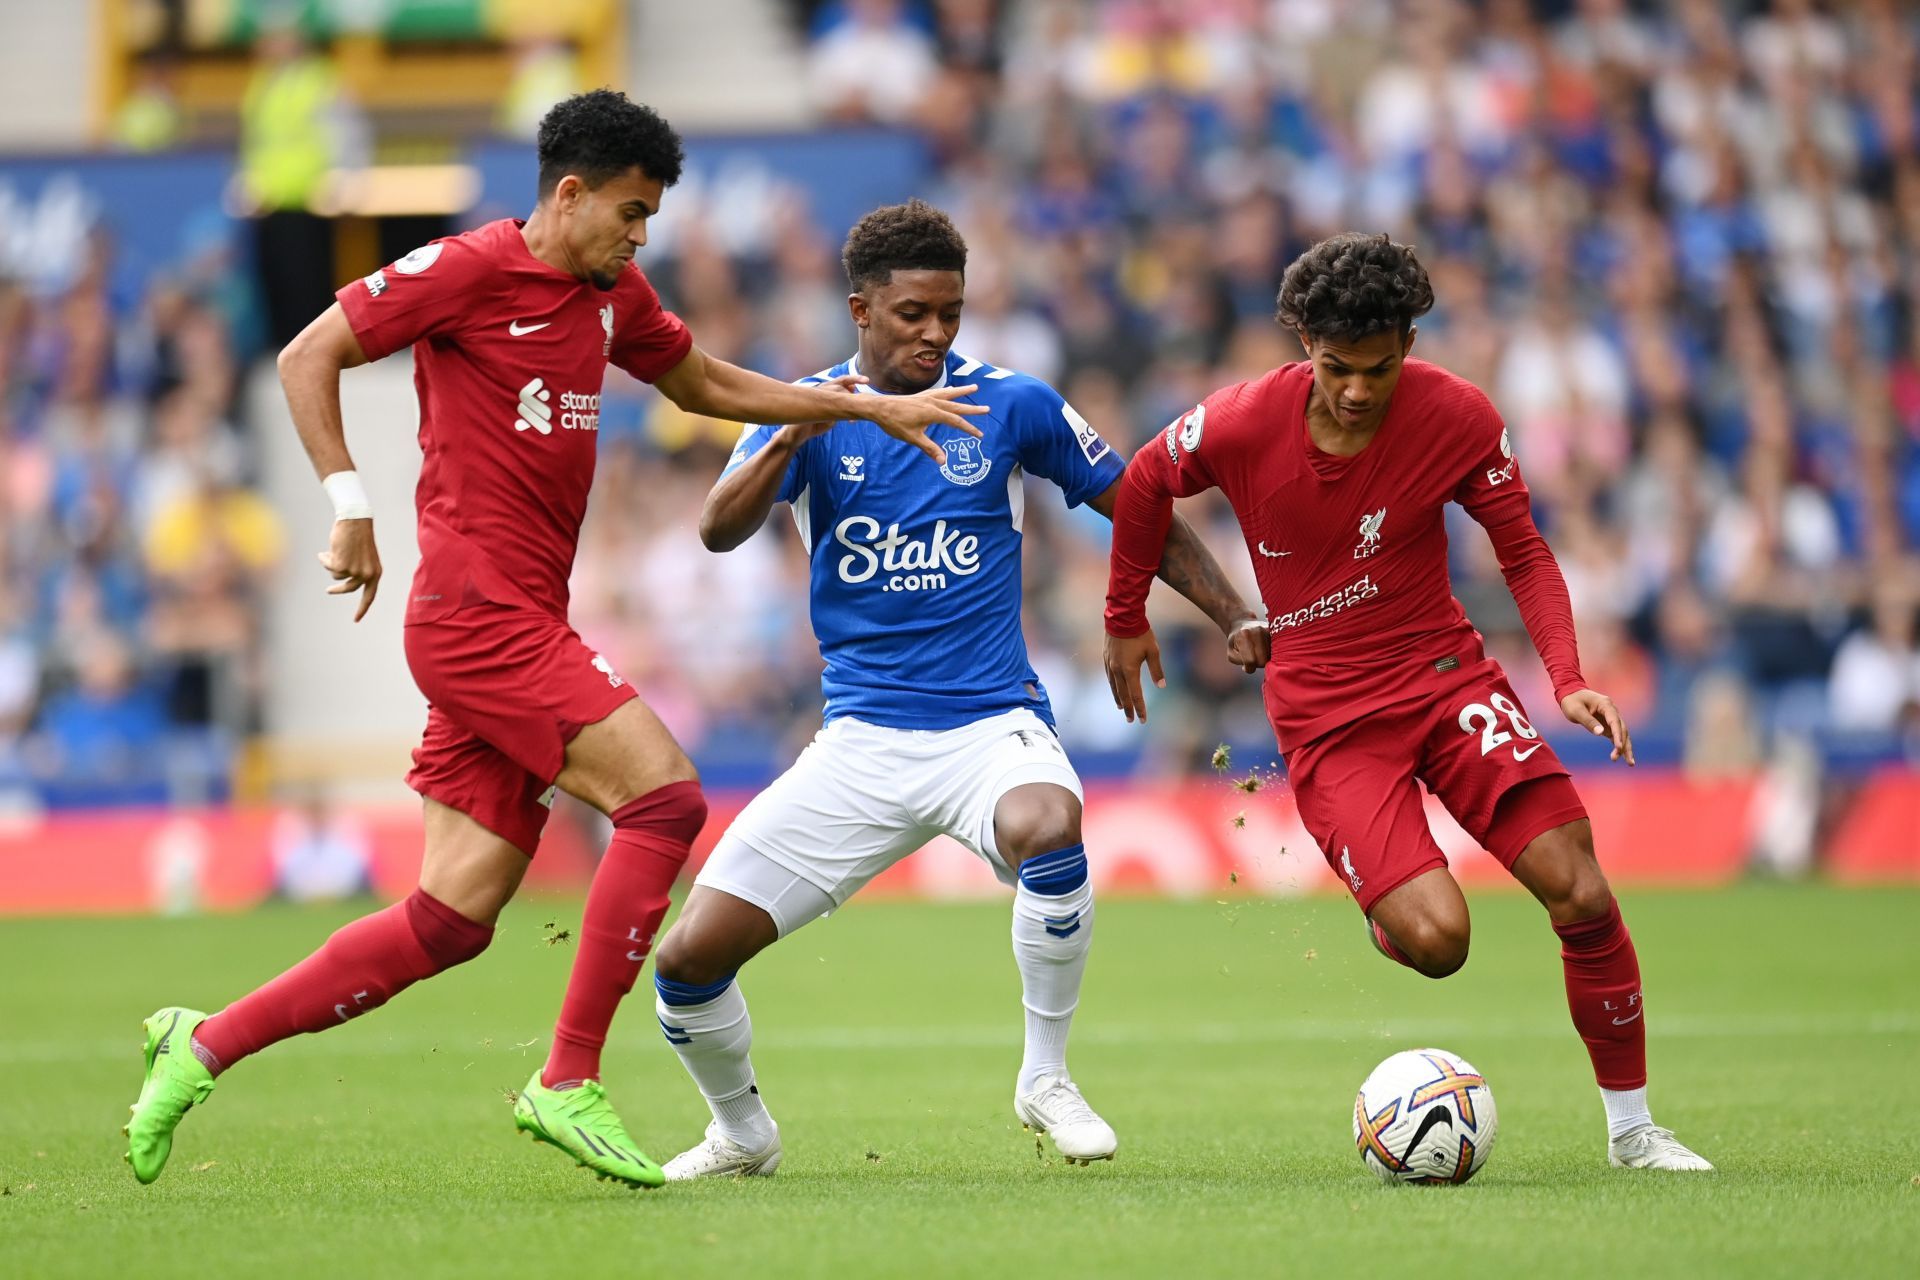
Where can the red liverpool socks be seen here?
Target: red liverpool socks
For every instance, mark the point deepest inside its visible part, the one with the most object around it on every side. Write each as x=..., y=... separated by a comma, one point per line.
x=362, y=966
x=1603, y=991
x=652, y=837
x=1384, y=945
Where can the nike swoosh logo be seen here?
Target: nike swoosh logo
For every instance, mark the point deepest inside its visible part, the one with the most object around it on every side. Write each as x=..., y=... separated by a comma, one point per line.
x=1621, y=1022
x=1262, y=544
x=1518, y=754
x=1437, y=1116
x=517, y=329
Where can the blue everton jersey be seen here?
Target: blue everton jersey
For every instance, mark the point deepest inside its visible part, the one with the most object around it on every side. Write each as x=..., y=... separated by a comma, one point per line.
x=916, y=565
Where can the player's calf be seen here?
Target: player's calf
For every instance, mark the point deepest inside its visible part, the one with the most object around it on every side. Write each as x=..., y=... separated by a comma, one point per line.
x=652, y=838
x=704, y=1017
x=363, y=965
x=1604, y=996
x=1052, y=933
x=709, y=1027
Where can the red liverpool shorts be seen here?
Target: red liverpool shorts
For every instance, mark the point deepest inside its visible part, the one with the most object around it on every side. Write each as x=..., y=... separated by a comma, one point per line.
x=507, y=689
x=1471, y=743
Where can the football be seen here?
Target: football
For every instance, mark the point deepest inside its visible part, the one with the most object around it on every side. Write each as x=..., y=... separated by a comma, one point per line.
x=1425, y=1115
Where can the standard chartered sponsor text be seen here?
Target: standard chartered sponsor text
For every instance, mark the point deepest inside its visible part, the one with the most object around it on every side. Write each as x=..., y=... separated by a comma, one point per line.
x=1326, y=606
x=580, y=411
x=911, y=564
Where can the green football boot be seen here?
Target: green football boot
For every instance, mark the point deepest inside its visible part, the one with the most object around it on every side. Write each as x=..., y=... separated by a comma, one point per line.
x=580, y=1121
x=176, y=1082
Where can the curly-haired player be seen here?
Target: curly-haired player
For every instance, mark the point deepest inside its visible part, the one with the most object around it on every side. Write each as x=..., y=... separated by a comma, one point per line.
x=512, y=325
x=1339, y=469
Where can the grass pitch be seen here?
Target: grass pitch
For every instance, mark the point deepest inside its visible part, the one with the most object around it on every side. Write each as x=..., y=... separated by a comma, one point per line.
x=1223, y=1040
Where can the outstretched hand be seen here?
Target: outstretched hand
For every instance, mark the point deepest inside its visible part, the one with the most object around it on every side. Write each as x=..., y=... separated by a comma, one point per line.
x=1123, y=656
x=354, y=562
x=908, y=417
x=1595, y=712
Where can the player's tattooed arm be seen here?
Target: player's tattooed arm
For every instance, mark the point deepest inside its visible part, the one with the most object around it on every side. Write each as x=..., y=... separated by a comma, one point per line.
x=1189, y=568
x=705, y=385
x=310, y=368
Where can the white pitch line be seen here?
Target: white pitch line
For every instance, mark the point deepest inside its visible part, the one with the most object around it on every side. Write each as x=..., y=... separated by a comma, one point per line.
x=1120, y=1035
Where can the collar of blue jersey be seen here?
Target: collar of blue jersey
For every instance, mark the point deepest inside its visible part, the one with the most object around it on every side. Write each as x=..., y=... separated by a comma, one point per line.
x=853, y=366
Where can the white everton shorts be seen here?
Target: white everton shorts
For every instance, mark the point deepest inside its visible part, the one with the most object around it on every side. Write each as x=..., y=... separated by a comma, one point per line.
x=861, y=797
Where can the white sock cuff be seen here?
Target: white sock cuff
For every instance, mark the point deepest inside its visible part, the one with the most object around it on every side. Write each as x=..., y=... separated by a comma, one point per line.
x=1626, y=1110
x=717, y=1014
x=1040, y=906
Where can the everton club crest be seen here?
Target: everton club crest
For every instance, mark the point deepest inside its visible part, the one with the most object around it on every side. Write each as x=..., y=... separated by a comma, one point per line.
x=967, y=461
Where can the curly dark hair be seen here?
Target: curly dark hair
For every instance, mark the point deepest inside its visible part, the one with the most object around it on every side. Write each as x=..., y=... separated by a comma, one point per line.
x=913, y=236
x=1354, y=286
x=600, y=135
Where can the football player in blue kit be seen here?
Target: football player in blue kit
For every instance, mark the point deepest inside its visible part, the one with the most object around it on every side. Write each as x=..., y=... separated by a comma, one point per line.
x=935, y=721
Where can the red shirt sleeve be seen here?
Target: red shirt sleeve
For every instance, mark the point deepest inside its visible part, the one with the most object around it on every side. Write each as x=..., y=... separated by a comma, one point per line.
x=1169, y=465
x=427, y=292
x=1494, y=494
x=650, y=340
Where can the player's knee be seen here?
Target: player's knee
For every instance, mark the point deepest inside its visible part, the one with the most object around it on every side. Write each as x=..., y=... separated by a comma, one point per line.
x=447, y=937
x=1030, y=825
x=688, y=959
x=1588, y=896
x=1437, y=946
x=677, y=811
x=1057, y=831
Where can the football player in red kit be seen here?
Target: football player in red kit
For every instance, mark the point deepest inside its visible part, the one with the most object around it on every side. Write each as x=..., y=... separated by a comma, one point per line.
x=512, y=326
x=1339, y=468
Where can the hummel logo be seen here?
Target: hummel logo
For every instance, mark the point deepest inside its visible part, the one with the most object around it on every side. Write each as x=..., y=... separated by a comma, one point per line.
x=519, y=330
x=850, y=467
x=1518, y=754
x=1262, y=544
x=535, y=412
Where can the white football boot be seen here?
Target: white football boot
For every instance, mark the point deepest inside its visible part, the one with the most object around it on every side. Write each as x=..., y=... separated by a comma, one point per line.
x=722, y=1157
x=1650, y=1147
x=1055, y=1108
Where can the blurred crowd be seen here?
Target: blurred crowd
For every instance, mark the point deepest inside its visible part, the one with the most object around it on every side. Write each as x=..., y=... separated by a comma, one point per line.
x=133, y=553
x=1678, y=243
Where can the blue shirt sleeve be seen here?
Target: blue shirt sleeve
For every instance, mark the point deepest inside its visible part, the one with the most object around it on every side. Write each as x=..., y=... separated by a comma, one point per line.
x=1058, y=444
x=753, y=440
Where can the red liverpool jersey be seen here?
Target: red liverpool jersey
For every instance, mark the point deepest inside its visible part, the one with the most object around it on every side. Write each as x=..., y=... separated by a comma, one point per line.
x=1350, y=553
x=509, y=355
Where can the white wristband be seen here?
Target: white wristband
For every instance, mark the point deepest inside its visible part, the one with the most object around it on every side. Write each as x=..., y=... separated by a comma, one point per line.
x=350, y=501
